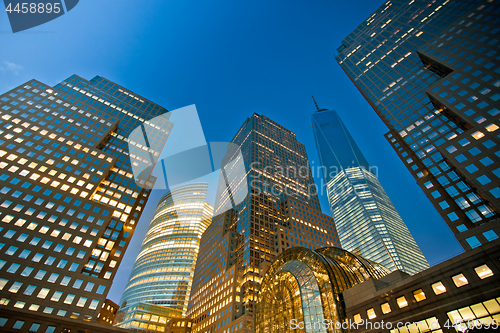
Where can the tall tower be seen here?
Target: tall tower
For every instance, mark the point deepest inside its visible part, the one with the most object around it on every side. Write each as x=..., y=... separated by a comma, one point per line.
x=160, y=283
x=431, y=72
x=280, y=211
x=365, y=217
x=69, y=200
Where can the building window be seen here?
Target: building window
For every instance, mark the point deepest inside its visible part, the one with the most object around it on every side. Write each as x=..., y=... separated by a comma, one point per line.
x=483, y=271
x=386, y=308
x=460, y=280
x=402, y=302
x=419, y=295
x=473, y=242
x=491, y=128
x=371, y=313
x=50, y=329
x=34, y=327
x=477, y=135
x=438, y=288
x=357, y=318
x=18, y=324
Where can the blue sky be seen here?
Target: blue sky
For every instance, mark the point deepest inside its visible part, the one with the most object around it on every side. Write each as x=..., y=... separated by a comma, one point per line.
x=231, y=59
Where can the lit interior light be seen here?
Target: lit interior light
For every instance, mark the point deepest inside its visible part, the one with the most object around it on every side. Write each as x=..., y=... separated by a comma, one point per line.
x=492, y=128
x=477, y=135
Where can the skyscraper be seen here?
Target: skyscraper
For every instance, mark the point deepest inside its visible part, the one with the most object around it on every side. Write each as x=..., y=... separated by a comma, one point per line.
x=69, y=200
x=160, y=283
x=430, y=70
x=365, y=217
x=280, y=211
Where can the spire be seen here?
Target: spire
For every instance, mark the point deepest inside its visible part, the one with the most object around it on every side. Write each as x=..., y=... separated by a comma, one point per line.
x=317, y=108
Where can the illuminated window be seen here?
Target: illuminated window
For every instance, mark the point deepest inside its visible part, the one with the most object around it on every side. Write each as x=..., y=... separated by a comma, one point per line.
x=43, y=293
x=491, y=128
x=402, y=302
x=34, y=307
x=357, y=318
x=419, y=295
x=477, y=135
x=483, y=271
x=460, y=280
x=438, y=288
x=386, y=308
x=371, y=313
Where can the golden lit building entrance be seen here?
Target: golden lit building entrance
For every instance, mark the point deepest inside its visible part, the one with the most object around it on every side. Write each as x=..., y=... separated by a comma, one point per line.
x=302, y=289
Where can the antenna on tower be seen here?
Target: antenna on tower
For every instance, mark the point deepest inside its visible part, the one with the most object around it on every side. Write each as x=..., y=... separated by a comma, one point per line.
x=317, y=107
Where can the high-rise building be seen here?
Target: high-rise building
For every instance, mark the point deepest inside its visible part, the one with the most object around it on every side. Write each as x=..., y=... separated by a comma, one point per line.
x=367, y=222
x=280, y=211
x=160, y=283
x=430, y=70
x=69, y=200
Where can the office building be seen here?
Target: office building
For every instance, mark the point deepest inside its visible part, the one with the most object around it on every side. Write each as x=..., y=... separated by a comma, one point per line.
x=108, y=312
x=281, y=211
x=69, y=200
x=449, y=297
x=302, y=290
x=431, y=72
x=331, y=290
x=160, y=282
x=367, y=222
x=179, y=325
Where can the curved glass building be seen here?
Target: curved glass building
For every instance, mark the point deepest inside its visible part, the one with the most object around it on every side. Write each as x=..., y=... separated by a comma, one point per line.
x=160, y=283
x=304, y=286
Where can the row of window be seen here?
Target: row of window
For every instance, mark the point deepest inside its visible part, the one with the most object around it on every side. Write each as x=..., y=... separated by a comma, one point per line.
x=459, y=280
x=34, y=327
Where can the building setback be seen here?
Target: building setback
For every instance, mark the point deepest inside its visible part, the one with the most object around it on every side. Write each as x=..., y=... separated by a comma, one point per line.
x=69, y=202
x=276, y=207
x=160, y=282
x=367, y=222
x=431, y=71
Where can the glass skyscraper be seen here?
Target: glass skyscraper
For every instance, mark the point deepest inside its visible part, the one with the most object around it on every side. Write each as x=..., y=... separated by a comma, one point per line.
x=69, y=201
x=160, y=283
x=367, y=222
x=431, y=72
x=280, y=210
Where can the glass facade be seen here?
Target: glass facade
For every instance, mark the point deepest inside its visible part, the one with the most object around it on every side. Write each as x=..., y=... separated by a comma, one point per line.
x=367, y=222
x=280, y=211
x=302, y=289
x=430, y=70
x=69, y=203
x=164, y=268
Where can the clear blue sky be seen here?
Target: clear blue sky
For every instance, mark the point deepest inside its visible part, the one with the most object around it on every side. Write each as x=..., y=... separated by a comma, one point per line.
x=230, y=58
